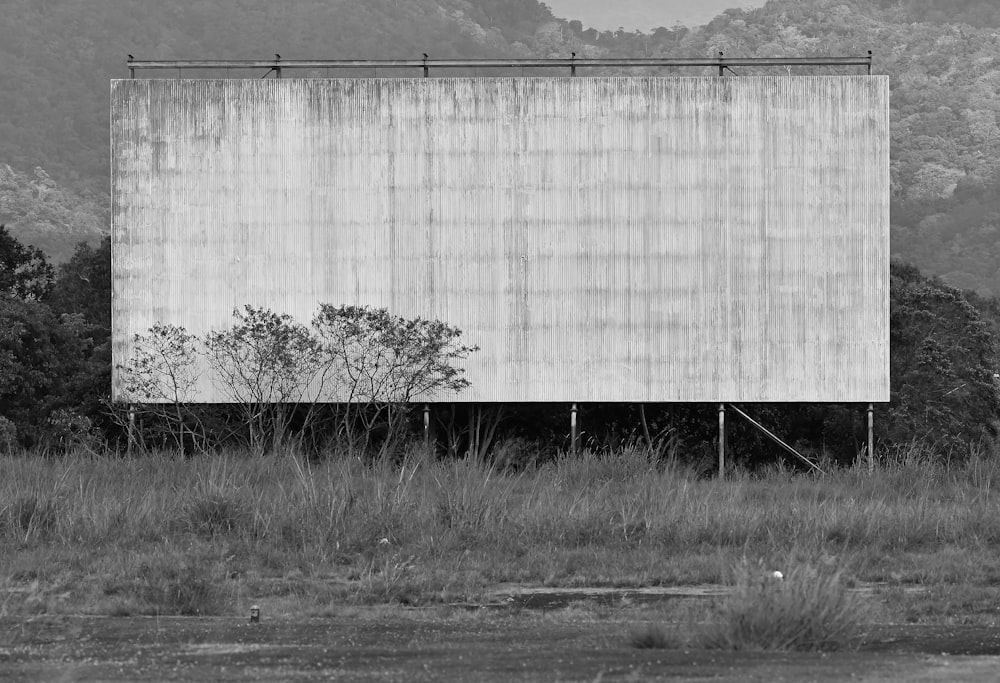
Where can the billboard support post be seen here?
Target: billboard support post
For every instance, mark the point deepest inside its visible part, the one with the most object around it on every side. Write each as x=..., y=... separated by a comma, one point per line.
x=722, y=441
x=131, y=428
x=574, y=430
x=871, y=438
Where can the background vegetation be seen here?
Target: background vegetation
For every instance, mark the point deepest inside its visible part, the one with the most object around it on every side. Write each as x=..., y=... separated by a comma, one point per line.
x=944, y=79
x=55, y=370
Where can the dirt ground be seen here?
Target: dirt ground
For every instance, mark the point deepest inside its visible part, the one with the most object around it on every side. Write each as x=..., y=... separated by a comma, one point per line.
x=454, y=645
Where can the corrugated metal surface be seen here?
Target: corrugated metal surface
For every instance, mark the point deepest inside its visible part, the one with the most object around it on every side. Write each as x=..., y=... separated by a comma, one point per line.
x=602, y=239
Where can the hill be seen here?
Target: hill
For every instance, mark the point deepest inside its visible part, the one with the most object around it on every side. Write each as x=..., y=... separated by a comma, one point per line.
x=943, y=60
x=643, y=15
x=39, y=211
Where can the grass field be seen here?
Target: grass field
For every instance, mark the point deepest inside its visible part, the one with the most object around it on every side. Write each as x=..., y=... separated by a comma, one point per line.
x=159, y=534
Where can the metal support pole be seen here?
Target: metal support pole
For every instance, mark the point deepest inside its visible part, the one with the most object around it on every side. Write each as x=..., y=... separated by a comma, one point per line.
x=869, y=62
x=574, y=430
x=427, y=70
x=722, y=67
x=277, y=65
x=871, y=438
x=572, y=67
x=131, y=428
x=427, y=424
x=722, y=441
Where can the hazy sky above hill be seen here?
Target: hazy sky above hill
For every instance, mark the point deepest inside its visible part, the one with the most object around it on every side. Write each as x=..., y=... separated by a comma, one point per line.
x=643, y=14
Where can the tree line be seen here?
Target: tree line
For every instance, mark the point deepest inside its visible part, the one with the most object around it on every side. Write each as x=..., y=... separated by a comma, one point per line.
x=347, y=379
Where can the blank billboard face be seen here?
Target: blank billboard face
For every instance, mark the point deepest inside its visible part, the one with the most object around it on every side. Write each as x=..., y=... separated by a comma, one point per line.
x=600, y=239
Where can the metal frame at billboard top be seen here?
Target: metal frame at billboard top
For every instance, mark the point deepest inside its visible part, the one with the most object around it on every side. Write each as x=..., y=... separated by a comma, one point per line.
x=276, y=65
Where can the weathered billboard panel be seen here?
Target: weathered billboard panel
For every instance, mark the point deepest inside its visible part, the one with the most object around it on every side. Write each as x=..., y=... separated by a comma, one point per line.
x=601, y=239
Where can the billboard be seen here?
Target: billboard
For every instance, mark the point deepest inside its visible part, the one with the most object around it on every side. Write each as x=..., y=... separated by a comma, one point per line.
x=635, y=239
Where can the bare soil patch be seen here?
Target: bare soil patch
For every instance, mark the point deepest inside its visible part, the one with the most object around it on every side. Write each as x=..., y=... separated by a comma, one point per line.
x=454, y=645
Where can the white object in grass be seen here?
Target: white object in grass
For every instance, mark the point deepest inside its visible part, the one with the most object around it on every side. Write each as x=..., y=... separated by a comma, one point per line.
x=777, y=575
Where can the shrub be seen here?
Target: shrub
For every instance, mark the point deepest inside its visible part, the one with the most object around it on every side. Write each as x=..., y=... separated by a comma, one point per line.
x=182, y=586
x=67, y=430
x=810, y=609
x=216, y=514
x=391, y=578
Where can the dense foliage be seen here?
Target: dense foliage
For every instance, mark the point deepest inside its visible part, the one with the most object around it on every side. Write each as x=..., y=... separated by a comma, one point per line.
x=943, y=364
x=25, y=273
x=55, y=348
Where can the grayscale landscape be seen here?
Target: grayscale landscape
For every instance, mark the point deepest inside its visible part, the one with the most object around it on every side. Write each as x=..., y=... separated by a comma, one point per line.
x=514, y=349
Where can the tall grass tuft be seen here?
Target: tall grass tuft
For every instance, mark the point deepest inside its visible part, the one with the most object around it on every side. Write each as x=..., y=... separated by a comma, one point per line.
x=32, y=516
x=167, y=584
x=217, y=514
x=808, y=609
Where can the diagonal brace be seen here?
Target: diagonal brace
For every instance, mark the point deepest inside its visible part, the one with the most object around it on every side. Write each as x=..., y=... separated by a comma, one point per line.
x=771, y=435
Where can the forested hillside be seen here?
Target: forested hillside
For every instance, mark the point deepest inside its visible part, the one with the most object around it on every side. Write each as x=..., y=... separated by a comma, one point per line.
x=944, y=63
x=49, y=215
x=644, y=14
x=943, y=59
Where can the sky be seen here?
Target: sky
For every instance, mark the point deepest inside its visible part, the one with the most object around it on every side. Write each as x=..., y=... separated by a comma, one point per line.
x=643, y=14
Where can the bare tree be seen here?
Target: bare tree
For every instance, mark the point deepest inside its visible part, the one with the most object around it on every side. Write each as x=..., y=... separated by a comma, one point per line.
x=263, y=363
x=383, y=362
x=161, y=376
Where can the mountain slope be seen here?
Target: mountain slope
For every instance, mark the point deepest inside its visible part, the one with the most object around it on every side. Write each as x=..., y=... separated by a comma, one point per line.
x=943, y=59
x=643, y=15
x=59, y=55
x=945, y=80
x=39, y=211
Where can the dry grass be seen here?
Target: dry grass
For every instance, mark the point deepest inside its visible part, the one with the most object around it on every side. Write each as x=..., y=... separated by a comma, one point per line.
x=809, y=608
x=423, y=530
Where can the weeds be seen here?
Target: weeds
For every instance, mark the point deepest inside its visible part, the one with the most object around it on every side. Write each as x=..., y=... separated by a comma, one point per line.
x=217, y=514
x=809, y=609
x=390, y=578
x=186, y=586
x=32, y=516
x=621, y=519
